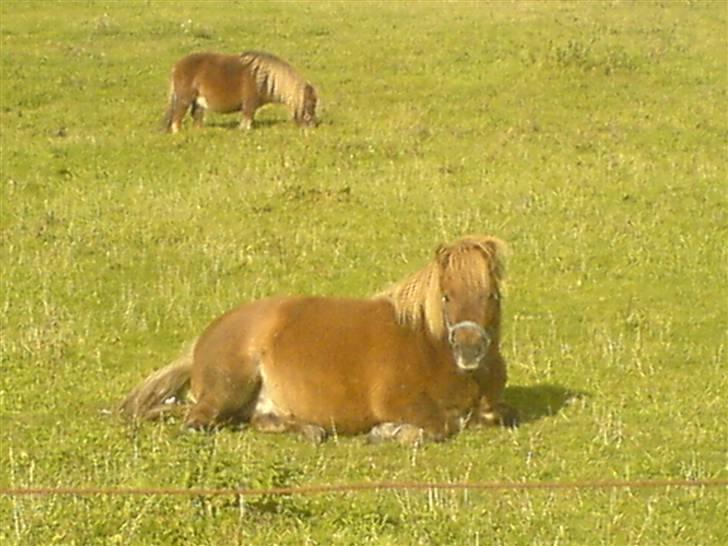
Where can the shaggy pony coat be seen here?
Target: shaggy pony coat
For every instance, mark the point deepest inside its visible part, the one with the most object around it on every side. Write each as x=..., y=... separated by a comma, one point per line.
x=417, y=361
x=237, y=83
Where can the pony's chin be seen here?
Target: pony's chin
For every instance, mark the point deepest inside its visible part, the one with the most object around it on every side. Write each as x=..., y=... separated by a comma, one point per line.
x=467, y=365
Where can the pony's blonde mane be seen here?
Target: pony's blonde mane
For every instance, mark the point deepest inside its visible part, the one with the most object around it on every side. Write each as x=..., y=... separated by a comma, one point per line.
x=276, y=80
x=417, y=299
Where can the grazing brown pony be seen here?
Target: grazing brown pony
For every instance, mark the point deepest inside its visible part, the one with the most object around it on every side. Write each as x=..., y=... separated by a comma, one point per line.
x=237, y=83
x=418, y=361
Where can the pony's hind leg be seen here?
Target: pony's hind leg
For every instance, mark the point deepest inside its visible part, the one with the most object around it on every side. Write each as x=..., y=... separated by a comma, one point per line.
x=267, y=417
x=223, y=394
x=202, y=416
x=180, y=100
x=212, y=411
x=403, y=433
x=177, y=112
x=197, y=111
x=248, y=108
x=411, y=419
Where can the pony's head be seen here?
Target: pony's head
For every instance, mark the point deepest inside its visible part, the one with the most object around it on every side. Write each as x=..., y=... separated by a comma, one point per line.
x=469, y=273
x=278, y=81
x=306, y=115
x=456, y=297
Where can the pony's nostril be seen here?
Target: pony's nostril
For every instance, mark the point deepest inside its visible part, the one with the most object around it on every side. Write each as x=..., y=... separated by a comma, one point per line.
x=472, y=352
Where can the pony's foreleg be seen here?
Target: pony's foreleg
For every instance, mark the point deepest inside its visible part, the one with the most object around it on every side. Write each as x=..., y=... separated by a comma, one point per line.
x=248, y=109
x=246, y=122
x=198, y=112
x=492, y=409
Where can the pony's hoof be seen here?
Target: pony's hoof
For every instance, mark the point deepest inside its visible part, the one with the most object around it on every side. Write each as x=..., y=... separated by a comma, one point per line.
x=192, y=424
x=197, y=429
x=409, y=435
x=413, y=436
x=314, y=434
x=510, y=418
x=383, y=432
x=503, y=415
x=506, y=416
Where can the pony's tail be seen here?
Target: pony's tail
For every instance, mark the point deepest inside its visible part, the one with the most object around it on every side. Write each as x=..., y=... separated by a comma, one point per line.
x=152, y=396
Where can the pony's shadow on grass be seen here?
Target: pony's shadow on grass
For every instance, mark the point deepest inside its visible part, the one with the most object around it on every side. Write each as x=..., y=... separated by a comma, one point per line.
x=538, y=401
x=235, y=124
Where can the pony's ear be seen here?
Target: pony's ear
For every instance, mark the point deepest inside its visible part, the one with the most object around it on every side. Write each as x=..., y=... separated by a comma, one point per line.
x=496, y=250
x=492, y=246
x=442, y=253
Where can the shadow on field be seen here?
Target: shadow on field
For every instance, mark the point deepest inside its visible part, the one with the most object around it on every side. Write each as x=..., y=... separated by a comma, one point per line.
x=234, y=124
x=538, y=401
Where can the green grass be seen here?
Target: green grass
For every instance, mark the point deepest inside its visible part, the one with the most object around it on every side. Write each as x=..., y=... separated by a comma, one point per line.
x=591, y=136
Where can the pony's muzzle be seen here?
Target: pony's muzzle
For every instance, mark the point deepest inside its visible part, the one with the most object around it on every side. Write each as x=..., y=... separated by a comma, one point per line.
x=469, y=342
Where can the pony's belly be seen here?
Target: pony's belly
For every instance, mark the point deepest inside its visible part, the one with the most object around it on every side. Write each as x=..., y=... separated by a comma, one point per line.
x=215, y=104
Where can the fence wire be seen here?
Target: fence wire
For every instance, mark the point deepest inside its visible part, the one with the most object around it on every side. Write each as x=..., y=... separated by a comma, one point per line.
x=324, y=489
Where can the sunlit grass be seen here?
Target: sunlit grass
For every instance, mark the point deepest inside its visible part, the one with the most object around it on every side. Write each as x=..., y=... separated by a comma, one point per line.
x=591, y=136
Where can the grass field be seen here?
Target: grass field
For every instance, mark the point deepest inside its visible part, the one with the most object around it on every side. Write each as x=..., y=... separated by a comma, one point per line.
x=591, y=136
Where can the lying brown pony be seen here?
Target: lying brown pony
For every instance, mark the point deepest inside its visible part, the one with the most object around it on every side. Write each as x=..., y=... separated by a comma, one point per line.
x=237, y=83
x=419, y=361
